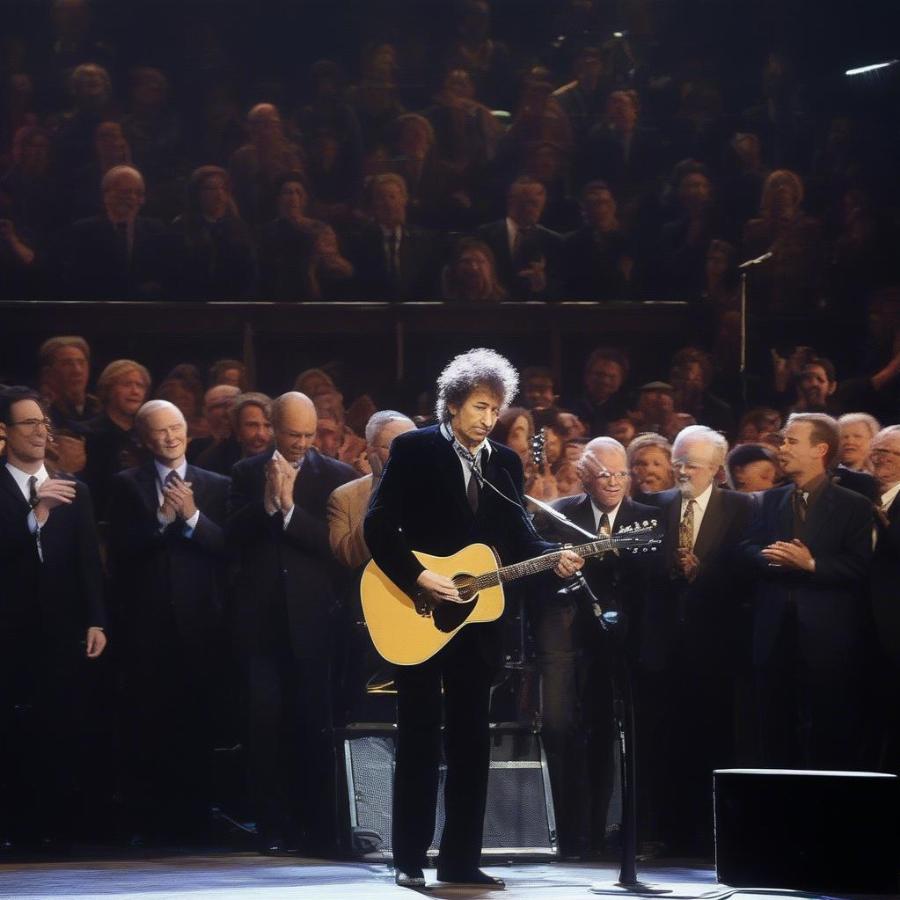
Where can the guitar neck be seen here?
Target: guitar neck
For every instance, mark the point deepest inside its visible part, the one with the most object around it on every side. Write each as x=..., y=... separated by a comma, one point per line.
x=539, y=564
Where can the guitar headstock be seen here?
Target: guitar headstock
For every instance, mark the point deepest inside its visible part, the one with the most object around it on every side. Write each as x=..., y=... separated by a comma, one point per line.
x=638, y=537
x=538, y=445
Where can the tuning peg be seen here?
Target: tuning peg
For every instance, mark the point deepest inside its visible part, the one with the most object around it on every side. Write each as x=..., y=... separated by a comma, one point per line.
x=653, y=522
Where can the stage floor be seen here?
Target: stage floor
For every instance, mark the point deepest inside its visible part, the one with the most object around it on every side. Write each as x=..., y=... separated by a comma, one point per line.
x=247, y=876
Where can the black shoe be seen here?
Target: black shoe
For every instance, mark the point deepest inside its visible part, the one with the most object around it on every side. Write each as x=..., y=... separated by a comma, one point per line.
x=409, y=878
x=473, y=878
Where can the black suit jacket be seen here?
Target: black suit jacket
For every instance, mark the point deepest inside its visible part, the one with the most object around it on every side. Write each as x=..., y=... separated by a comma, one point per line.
x=709, y=604
x=620, y=582
x=884, y=581
x=160, y=574
x=290, y=566
x=91, y=263
x=543, y=243
x=829, y=602
x=421, y=505
x=419, y=262
x=60, y=597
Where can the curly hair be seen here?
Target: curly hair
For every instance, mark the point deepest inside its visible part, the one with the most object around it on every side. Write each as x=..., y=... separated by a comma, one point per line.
x=479, y=367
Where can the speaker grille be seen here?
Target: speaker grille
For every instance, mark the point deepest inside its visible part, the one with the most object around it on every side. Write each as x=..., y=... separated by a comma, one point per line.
x=519, y=818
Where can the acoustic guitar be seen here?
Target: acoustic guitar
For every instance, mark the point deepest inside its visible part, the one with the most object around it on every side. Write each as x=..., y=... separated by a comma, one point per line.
x=408, y=630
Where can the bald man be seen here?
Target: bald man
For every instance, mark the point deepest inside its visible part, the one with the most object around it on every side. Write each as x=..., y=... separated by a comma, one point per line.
x=284, y=595
x=167, y=552
x=574, y=664
x=118, y=255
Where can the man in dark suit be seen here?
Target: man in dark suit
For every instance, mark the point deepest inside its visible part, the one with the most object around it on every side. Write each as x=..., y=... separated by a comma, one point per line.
x=393, y=260
x=167, y=550
x=285, y=589
x=574, y=659
x=689, y=641
x=431, y=499
x=527, y=255
x=884, y=585
x=119, y=255
x=620, y=150
x=811, y=547
x=51, y=617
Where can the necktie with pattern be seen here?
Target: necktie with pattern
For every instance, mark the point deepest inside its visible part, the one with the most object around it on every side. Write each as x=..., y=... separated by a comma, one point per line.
x=686, y=527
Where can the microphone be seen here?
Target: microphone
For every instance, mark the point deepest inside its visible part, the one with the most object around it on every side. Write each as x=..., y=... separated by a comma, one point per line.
x=755, y=262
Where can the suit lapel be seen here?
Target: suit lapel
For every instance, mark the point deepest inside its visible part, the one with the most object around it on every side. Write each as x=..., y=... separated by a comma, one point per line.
x=821, y=512
x=712, y=527
x=785, y=515
x=9, y=484
x=146, y=482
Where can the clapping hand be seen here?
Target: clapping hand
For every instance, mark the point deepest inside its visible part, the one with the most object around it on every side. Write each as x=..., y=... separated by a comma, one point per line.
x=52, y=493
x=272, y=493
x=180, y=498
x=287, y=475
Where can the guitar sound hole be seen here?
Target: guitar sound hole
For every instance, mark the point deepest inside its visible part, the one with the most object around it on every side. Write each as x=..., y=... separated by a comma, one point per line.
x=448, y=617
x=465, y=584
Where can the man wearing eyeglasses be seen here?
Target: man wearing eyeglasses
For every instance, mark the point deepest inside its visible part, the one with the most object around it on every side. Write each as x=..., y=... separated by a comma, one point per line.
x=51, y=618
x=884, y=579
x=575, y=678
x=689, y=640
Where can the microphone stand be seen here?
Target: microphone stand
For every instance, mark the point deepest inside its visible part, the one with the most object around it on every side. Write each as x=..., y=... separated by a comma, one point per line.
x=623, y=708
x=744, y=327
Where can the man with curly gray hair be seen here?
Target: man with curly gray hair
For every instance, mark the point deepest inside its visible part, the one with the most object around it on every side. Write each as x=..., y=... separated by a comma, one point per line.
x=436, y=497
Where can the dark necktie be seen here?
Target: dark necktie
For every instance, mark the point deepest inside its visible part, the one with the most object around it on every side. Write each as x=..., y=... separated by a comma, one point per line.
x=393, y=266
x=473, y=490
x=32, y=491
x=603, y=530
x=33, y=501
x=801, y=505
x=171, y=478
x=520, y=247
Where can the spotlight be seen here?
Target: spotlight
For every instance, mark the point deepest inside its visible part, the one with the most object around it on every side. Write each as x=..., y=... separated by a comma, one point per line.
x=863, y=70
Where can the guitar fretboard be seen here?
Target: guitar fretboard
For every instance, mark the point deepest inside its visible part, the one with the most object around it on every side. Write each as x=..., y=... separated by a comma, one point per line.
x=539, y=564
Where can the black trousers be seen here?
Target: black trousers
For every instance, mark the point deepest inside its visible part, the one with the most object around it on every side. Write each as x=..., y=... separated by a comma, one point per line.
x=466, y=677
x=809, y=699
x=291, y=758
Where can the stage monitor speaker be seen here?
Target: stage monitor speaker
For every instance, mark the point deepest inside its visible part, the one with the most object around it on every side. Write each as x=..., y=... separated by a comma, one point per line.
x=519, y=821
x=807, y=830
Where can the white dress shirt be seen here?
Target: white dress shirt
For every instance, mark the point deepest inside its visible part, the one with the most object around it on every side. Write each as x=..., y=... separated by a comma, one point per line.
x=447, y=432
x=888, y=498
x=598, y=513
x=161, y=473
x=21, y=479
